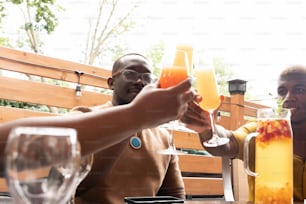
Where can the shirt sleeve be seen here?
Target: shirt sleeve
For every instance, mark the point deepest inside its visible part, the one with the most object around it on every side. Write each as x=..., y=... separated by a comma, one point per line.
x=241, y=133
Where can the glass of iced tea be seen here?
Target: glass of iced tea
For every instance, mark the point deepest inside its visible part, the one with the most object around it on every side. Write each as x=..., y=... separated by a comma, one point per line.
x=273, y=157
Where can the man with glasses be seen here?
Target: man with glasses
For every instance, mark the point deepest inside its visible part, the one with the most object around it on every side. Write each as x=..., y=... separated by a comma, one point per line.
x=133, y=167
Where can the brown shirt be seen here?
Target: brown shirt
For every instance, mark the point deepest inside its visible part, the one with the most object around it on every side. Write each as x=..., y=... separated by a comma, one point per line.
x=121, y=170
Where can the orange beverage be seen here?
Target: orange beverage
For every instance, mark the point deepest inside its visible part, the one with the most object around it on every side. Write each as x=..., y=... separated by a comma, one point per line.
x=176, y=71
x=206, y=86
x=273, y=157
x=172, y=75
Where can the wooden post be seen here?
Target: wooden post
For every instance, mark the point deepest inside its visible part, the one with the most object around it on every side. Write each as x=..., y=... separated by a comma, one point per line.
x=237, y=90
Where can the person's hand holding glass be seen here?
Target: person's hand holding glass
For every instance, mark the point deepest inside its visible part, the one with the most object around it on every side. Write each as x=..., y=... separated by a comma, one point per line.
x=33, y=157
x=207, y=88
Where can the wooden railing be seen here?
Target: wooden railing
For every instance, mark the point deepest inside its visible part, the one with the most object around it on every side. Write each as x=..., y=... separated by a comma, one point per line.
x=30, y=80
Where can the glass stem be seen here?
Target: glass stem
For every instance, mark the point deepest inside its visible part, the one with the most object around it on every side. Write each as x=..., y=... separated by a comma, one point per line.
x=72, y=199
x=172, y=146
x=213, y=125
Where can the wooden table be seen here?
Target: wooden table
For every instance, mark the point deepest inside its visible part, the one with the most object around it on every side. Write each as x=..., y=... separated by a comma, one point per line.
x=221, y=202
x=215, y=202
x=5, y=200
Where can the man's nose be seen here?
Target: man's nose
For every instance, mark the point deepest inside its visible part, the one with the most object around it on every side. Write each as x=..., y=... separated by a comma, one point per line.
x=140, y=80
x=289, y=96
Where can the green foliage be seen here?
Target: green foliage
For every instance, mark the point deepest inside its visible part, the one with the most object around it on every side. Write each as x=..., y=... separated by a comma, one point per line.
x=23, y=105
x=38, y=16
x=155, y=55
x=2, y=11
x=4, y=42
x=223, y=74
x=29, y=106
x=279, y=105
x=44, y=17
x=15, y=1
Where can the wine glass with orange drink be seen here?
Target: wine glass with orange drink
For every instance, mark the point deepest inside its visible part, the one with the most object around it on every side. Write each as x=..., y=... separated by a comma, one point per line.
x=207, y=88
x=189, y=50
x=174, y=72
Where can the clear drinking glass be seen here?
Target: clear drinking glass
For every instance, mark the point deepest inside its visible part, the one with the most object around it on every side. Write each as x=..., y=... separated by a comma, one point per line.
x=84, y=169
x=175, y=70
x=206, y=86
x=32, y=156
x=189, y=50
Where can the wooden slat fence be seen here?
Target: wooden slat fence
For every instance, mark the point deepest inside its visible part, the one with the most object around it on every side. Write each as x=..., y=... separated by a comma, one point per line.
x=31, y=80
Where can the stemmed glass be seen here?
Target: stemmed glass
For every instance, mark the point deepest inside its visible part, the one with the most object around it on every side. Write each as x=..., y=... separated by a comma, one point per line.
x=189, y=50
x=84, y=169
x=172, y=73
x=206, y=86
x=32, y=156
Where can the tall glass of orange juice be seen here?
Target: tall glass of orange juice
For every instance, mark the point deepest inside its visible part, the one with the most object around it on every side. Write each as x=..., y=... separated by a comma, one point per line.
x=273, y=157
x=206, y=86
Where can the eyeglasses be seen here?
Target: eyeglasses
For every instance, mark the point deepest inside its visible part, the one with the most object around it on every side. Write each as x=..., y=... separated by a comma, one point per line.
x=134, y=76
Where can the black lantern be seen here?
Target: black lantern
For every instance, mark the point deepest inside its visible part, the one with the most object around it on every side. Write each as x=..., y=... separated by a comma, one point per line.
x=237, y=86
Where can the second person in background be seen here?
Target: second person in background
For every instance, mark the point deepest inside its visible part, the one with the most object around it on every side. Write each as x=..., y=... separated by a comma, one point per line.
x=292, y=90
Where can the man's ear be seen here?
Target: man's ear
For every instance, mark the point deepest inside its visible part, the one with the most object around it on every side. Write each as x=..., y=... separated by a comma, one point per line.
x=110, y=82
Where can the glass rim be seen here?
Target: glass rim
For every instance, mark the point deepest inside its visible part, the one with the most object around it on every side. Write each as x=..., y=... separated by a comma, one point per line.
x=273, y=112
x=45, y=130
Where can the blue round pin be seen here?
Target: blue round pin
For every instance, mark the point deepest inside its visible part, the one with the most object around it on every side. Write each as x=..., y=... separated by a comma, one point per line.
x=135, y=142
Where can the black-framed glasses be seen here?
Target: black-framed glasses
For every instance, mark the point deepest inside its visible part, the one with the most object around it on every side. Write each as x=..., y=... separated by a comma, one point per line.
x=132, y=75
